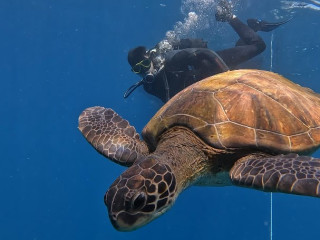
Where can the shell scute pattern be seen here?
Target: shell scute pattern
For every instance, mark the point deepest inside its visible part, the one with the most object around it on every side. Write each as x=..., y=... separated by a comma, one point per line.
x=244, y=108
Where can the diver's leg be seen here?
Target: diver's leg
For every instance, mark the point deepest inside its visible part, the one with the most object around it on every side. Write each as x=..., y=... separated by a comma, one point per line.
x=246, y=34
x=239, y=54
x=251, y=43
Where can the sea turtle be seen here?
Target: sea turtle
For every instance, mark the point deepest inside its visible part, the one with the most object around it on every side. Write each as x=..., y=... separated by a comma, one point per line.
x=242, y=127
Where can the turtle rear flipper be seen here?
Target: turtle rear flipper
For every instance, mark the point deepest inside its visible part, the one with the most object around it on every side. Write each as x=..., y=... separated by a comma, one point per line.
x=283, y=173
x=111, y=135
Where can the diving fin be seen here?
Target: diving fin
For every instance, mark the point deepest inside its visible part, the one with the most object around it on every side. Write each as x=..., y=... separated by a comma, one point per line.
x=263, y=26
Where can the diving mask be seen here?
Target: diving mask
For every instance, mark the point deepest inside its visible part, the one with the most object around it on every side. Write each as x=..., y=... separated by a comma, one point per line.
x=142, y=66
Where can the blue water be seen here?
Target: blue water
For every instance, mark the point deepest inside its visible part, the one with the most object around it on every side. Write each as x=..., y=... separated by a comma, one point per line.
x=60, y=57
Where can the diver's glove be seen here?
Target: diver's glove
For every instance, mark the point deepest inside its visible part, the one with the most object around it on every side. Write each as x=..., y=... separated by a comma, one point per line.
x=224, y=11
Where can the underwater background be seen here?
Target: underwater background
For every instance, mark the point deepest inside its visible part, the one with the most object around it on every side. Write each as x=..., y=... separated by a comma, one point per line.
x=59, y=57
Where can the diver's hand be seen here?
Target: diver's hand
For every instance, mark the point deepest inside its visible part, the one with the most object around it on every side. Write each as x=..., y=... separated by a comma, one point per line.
x=224, y=11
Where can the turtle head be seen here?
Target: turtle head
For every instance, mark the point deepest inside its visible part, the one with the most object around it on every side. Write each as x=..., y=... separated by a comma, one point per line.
x=142, y=193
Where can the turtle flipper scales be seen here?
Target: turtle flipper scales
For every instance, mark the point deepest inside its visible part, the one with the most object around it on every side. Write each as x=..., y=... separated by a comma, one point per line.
x=289, y=173
x=111, y=135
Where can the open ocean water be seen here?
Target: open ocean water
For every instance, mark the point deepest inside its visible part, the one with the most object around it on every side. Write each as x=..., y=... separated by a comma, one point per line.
x=59, y=57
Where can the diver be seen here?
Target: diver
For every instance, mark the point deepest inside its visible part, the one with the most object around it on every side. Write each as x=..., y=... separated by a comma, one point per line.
x=170, y=67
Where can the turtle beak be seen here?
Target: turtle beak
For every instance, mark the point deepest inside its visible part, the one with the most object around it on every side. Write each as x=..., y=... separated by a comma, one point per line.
x=121, y=219
x=125, y=222
x=113, y=220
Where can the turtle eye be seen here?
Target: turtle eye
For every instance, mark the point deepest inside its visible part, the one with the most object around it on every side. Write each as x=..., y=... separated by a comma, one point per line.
x=139, y=201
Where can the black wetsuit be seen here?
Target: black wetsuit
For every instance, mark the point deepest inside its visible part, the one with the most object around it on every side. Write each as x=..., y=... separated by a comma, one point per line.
x=192, y=61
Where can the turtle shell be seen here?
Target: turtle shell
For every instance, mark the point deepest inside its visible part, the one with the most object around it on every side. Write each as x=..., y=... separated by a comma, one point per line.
x=244, y=109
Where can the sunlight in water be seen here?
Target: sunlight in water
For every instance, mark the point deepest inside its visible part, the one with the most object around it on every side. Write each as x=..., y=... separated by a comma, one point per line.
x=289, y=5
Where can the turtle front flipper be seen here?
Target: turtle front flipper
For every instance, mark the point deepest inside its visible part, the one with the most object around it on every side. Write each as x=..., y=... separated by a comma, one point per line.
x=111, y=135
x=283, y=173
